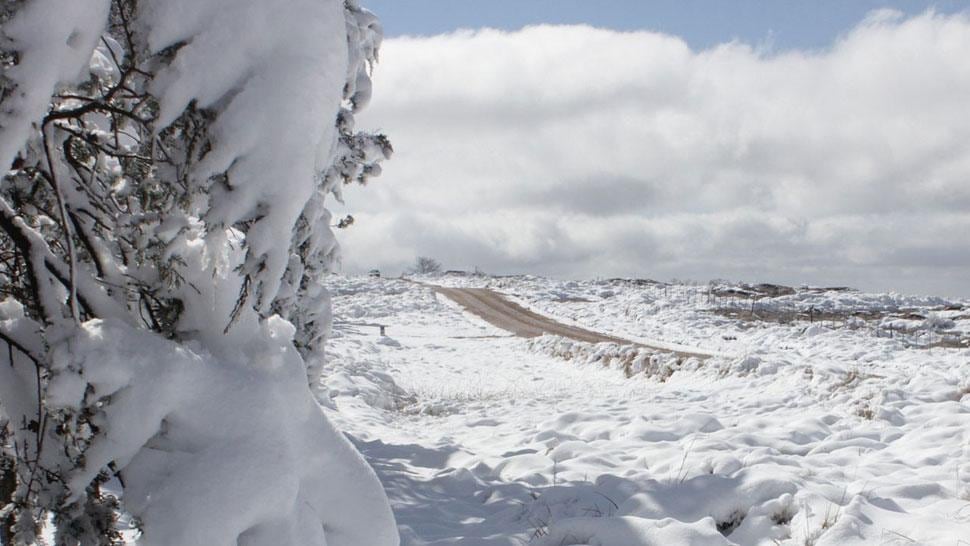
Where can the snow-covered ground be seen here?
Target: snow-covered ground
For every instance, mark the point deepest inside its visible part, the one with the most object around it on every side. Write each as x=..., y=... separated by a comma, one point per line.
x=826, y=432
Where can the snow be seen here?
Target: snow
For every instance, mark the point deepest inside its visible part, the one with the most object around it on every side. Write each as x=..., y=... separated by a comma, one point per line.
x=849, y=429
x=826, y=435
x=680, y=315
x=627, y=530
x=275, y=91
x=194, y=435
x=54, y=50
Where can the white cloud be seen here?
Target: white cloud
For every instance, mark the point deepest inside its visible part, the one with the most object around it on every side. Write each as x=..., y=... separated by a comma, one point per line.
x=577, y=151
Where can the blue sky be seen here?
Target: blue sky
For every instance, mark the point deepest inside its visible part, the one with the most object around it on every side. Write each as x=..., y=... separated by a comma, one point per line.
x=785, y=24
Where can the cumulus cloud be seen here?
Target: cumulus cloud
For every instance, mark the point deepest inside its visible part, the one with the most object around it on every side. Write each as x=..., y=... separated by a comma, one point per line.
x=576, y=151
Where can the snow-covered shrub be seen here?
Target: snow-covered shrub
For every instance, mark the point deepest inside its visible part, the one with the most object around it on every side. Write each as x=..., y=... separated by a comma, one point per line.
x=935, y=321
x=423, y=265
x=162, y=236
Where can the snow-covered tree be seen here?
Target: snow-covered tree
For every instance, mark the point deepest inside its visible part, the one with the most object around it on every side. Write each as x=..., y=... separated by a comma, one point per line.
x=163, y=231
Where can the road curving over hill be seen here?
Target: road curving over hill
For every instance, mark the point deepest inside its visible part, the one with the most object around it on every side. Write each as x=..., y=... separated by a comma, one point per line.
x=507, y=315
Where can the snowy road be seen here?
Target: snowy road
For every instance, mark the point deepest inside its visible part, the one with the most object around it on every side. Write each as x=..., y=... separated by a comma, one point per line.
x=507, y=315
x=818, y=437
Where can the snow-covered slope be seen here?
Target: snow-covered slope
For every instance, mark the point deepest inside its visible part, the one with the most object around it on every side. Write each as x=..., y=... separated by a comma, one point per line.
x=816, y=433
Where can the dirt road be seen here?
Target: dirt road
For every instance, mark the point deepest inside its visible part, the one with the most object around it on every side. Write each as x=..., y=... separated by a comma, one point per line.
x=504, y=314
